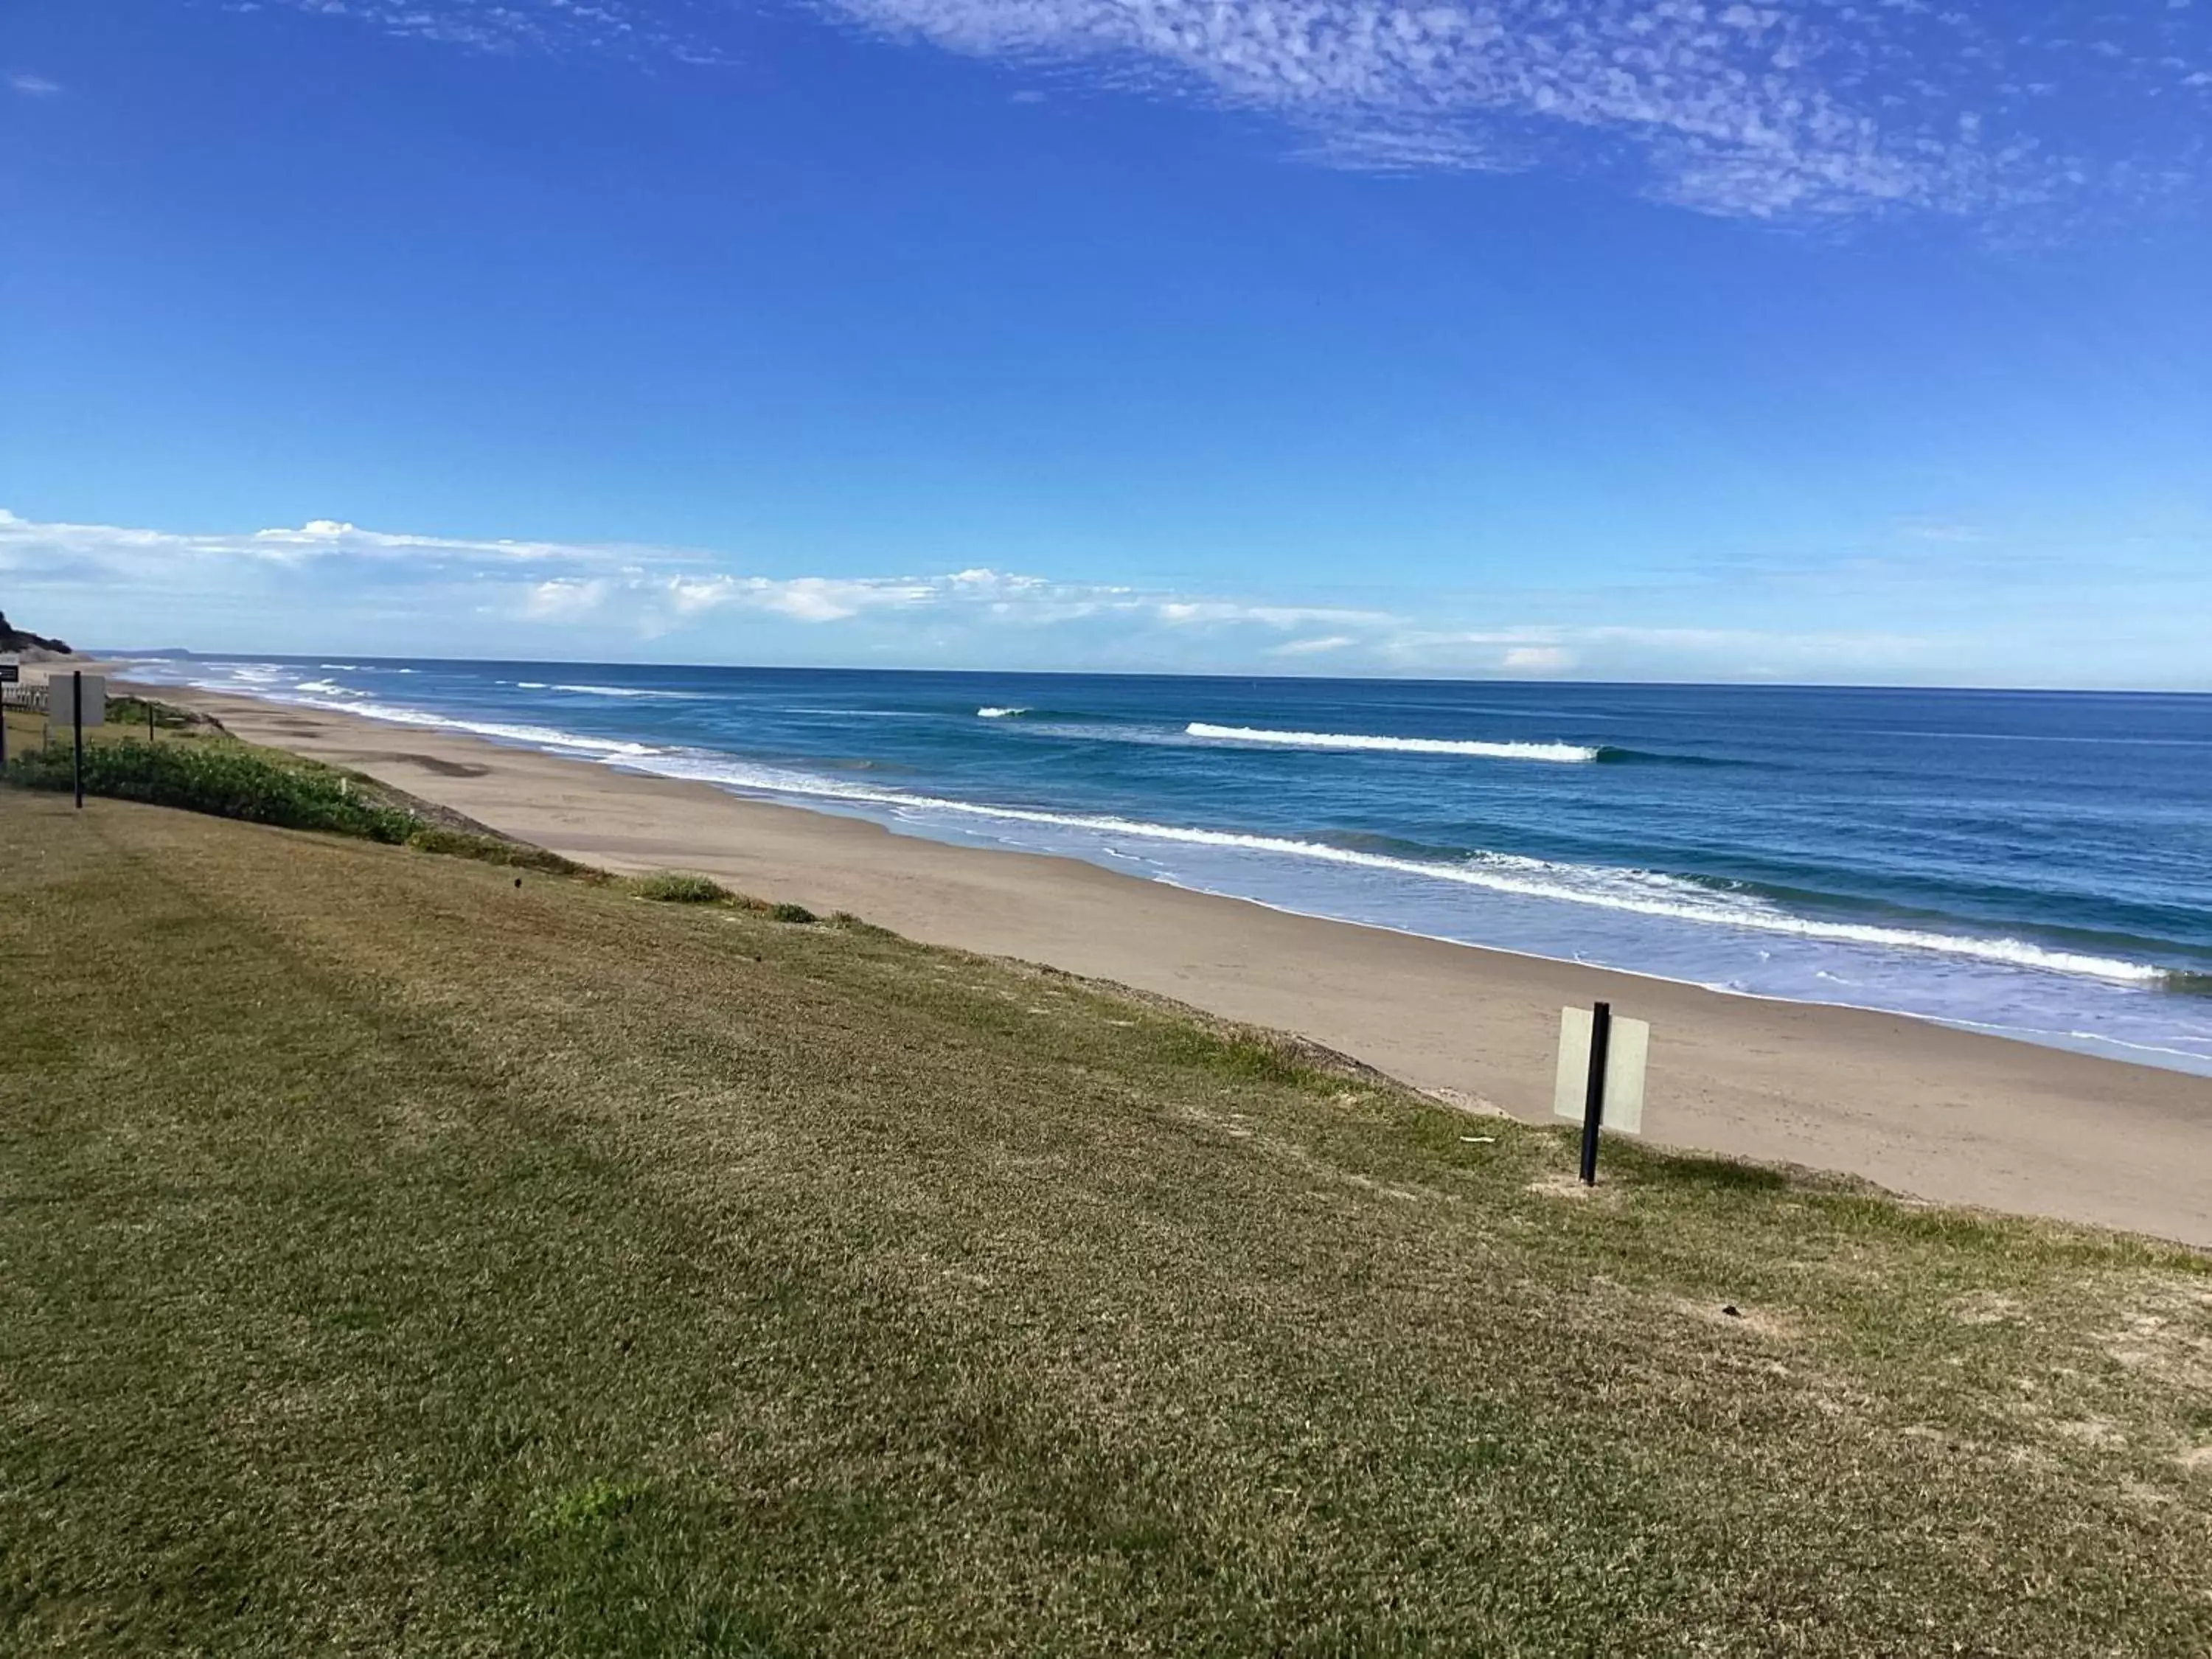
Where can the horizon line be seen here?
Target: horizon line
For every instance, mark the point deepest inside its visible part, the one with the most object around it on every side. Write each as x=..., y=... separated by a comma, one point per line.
x=174, y=653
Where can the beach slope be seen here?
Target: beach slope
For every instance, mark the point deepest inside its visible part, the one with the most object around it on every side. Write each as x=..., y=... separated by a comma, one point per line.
x=1921, y=1109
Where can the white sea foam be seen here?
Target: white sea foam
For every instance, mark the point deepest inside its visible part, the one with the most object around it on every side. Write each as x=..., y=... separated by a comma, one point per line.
x=630, y=691
x=1638, y=892
x=990, y=714
x=1559, y=753
x=538, y=736
x=328, y=689
x=529, y=685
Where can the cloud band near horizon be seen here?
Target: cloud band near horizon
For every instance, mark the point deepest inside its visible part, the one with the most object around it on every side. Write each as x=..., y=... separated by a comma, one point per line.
x=399, y=594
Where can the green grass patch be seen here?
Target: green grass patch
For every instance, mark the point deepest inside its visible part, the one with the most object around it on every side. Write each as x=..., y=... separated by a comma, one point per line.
x=202, y=770
x=796, y=914
x=228, y=780
x=675, y=887
x=394, y=1260
x=491, y=850
x=137, y=713
x=1260, y=1056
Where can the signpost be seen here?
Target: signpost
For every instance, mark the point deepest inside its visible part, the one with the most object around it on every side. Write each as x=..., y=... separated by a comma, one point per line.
x=83, y=697
x=1601, y=1077
x=10, y=672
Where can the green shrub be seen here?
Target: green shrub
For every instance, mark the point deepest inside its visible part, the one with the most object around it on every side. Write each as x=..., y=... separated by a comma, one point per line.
x=675, y=887
x=131, y=711
x=798, y=913
x=490, y=850
x=227, y=780
x=1257, y=1057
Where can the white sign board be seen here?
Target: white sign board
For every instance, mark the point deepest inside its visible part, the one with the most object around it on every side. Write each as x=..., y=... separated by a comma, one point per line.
x=61, y=686
x=1626, y=1050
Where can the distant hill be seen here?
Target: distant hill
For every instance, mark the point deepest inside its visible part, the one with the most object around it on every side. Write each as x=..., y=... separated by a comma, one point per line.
x=15, y=639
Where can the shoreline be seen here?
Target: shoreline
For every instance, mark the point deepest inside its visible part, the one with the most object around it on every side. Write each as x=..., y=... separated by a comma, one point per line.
x=1928, y=1109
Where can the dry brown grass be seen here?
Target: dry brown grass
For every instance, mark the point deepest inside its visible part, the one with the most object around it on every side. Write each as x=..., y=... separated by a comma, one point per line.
x=393, y=1258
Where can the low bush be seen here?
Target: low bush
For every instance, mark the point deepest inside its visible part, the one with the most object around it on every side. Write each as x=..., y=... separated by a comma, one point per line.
x=676, y=887
x=490, y=850
x=798, y=913
x=1260, y=1056
x=229, y=780
x=167, y=717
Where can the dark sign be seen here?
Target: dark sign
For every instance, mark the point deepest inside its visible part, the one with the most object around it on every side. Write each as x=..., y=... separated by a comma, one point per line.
x=9, y=673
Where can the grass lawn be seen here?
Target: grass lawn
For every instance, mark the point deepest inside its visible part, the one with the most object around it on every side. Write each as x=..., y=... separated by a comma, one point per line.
x=393, y=1259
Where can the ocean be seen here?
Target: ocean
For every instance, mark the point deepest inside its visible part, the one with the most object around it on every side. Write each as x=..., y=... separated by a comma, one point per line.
x=2035, y=864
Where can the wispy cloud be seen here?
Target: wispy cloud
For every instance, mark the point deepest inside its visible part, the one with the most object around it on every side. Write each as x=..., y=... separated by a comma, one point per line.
x=1819, y=109
x=33, y=86
x=1928, y=530
x=1639, y=652
x=1314, y=647
x=646, y=590
x=410, y=595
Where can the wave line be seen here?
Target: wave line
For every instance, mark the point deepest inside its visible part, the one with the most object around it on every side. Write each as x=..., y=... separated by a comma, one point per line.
x=1566, y=754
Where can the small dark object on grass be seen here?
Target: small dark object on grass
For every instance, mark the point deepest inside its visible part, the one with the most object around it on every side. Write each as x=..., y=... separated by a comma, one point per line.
x=798, y=913
x=517, y=884
x=1732, y=1310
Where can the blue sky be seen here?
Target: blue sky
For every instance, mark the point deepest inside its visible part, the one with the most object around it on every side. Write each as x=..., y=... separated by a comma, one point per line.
x=1624, y=338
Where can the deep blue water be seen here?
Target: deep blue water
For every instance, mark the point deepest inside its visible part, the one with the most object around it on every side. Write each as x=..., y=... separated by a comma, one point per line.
x=2035, y=863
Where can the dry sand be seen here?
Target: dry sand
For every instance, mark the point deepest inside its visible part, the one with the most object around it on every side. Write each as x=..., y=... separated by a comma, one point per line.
x=1943, y=1115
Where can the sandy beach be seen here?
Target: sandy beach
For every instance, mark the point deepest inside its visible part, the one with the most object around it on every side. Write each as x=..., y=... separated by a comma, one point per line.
x=1924, y=1109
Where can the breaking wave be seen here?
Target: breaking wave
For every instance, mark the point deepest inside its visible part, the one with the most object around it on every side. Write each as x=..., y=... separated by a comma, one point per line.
x=1640, y=892
x=654, y=693
x=1570, y=754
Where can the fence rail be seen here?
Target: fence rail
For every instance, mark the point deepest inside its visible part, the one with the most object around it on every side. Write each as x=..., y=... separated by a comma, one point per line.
x=30, y=697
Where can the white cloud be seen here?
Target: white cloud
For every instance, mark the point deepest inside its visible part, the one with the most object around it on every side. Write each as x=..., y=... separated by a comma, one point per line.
x=1924, y=530
x=1652, y=652
x=652, y=590
x=1538, y=659
x=327, y=585
x=564, y=599
x=1184, y=613
x=1815, y=108
x=33, y=86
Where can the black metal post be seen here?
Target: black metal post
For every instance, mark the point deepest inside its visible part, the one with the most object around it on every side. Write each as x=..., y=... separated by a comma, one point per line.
x=76, y=727
x=1594, y=1096
x=149, y=720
